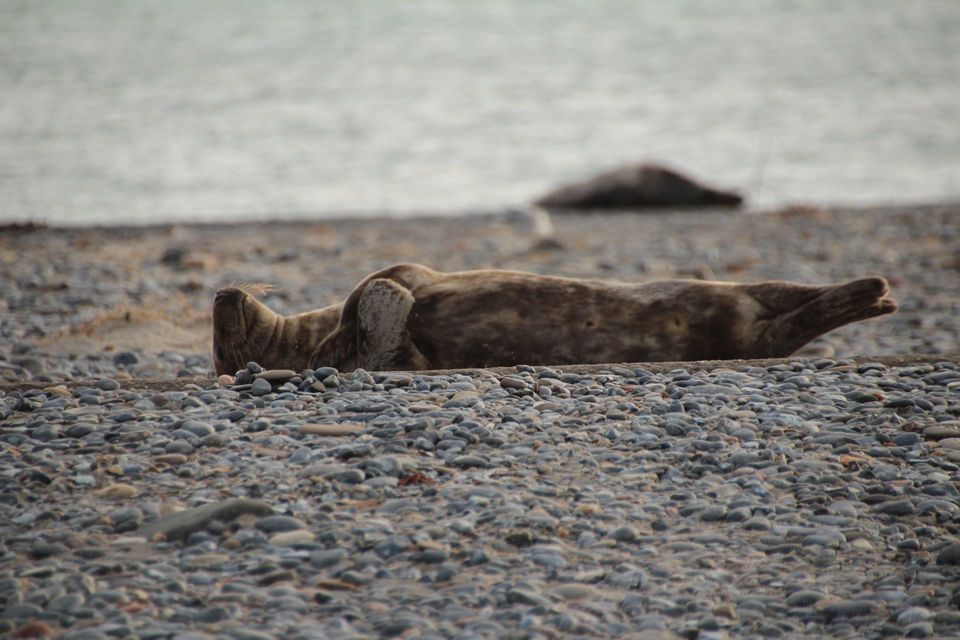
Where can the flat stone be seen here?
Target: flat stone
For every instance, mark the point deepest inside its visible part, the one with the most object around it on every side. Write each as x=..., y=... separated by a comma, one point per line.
x=848, y=609
x=118, y=491
x=950, y=443
x=290, y=538
x=331, y=429
x=468, y=462
x=896, y=508
x=939, y=432
x=277, y=524
x=804, y=598
x=575, y=591
x=179, y=525
x=275, y=375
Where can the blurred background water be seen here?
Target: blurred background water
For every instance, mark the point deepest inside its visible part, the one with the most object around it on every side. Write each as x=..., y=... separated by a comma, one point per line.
x=175, y=110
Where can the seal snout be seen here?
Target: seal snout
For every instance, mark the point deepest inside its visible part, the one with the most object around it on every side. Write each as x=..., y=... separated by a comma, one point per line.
x=228, y=296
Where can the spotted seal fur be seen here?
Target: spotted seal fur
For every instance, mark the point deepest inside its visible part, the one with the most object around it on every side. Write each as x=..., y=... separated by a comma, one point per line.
x=411, y=317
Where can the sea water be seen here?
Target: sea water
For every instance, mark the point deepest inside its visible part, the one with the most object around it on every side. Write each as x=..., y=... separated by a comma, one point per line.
x=155, y=111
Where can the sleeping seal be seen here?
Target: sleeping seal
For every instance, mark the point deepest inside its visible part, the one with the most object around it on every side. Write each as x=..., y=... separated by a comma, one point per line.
x=410, y=317
x=635, y=187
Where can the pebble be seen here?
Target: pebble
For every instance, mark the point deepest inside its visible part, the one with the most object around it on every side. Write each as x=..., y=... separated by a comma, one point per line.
x=179, y=525
x=276, y=524
x=950, y=555
x=261, y=387
x=343, y=429
x=290, y=538
x=458, y=505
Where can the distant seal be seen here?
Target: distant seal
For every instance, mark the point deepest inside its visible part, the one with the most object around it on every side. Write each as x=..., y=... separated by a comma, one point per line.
x=638, y=186
x=245, y=330
x=410, y=317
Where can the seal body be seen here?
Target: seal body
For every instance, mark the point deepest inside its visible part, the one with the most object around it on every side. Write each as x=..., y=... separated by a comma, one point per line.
x=503, y=318
x=638, y=186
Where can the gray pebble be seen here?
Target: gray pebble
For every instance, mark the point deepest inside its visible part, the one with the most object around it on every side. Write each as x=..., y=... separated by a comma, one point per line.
x=261, y=387
x=276, y=524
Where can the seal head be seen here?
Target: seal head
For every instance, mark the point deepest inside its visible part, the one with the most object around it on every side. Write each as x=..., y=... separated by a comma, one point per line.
x=245, y=330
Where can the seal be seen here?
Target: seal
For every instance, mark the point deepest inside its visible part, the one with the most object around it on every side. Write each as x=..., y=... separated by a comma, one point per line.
x=245, y=330
x=638, y=186
x=410, y=317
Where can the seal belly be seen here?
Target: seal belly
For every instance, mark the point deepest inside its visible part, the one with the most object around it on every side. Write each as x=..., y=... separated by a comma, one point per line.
x=528, y=319
x=535, y=320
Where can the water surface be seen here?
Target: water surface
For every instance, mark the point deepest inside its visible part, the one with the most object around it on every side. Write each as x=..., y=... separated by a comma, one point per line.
x=164, y=110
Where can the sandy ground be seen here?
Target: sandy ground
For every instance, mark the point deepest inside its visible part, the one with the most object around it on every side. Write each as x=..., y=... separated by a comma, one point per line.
x=809, y=497
x=76, y=293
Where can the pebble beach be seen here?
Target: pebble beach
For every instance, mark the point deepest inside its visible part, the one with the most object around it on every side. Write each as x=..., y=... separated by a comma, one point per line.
x=813, y=496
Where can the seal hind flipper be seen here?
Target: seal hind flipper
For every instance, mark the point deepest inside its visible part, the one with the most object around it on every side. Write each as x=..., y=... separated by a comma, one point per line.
x=833, y=306
x=383, y=342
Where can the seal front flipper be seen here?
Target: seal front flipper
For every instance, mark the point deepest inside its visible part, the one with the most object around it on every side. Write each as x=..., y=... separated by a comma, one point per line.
x=383, y=342
x=832, y=307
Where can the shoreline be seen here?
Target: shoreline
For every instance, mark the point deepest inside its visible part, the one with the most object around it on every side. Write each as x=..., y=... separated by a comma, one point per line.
x=373, y=216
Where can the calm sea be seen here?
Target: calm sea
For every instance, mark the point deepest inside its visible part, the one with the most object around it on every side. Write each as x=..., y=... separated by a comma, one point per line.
x=165, y=110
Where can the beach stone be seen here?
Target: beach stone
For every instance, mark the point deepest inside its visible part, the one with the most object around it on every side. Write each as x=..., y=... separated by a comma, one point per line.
x=331, y=429
x=468, y=462
x=432, y=556
x=896, y=507
x=939, y=432
x=912, y=615
x=261, y=387
x=108, y=384
x=321, y=559
x=804, y=598
x=275, y=375
x=757, y=523
x=848, y=609
x=623, y=534
x=173, y=459
x=34, y=629
x=118, y=491
x=520, y=538
x=276, y=524
x=180, y=525
x=714, y=513
x=125, y=358
x=950, y=443
x=41, y=550
x=949, y=555
x=290, y=538
x=575, y=591
x=509, y=382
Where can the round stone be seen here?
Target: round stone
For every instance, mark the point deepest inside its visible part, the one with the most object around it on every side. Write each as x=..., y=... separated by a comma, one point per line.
x=261, y=387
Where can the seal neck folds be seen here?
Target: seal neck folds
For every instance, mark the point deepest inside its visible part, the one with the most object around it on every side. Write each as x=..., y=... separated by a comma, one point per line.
x=245, y=329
